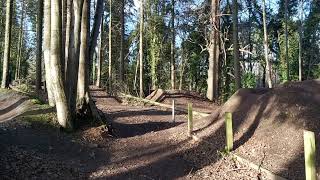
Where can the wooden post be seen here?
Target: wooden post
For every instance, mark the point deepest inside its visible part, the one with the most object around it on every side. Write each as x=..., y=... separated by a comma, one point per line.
x=229, y=131
x=310, y=155
x=190, y=121
x=173, y=109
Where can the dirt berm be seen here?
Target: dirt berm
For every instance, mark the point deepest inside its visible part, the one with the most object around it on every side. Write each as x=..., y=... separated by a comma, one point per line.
x=269, y=124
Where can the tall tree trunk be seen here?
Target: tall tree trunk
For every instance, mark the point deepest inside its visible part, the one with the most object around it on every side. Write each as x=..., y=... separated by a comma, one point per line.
x=7, y=43
x=69, y=15
x=121, y=64
x=95, y=30
x=286, y=37
x=182, y=69
x=46, y=52
x=265, y=44
x=73, y=64
x=83, y=83
x=141, y=49
x=173, y=41
x=63, y=39
x=300, y=39
x=236, y=45
x=110, y=48
x=39, y=46
x=100, y=56
x=20, y=43
x=214, y=51
x=63, y=112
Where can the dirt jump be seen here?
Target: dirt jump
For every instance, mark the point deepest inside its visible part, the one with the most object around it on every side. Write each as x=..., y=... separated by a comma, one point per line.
x=146, y=144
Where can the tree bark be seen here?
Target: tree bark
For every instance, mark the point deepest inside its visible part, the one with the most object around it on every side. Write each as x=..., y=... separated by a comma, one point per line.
x=214, y=51
x=39, y=46
x=69, y=14
x=300, y=39
x=141, y=49
x=63, y=39
x=63, y=111
x=265, y=43
x=83, y=85
x=95, y=30
x=110, y=48
x=7, y=43
x=46, y=52
x=173, y=41
x=236, y=45
x=73, y=64
x=20, y=43
x=286, y=37
x=100, y=56
x=121, y=64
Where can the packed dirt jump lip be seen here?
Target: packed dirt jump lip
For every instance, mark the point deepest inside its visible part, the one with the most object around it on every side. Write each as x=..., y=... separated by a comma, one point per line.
x=270, y=122
x=12, y=104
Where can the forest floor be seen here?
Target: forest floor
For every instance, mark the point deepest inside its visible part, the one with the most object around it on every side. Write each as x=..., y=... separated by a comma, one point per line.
x=146, y=144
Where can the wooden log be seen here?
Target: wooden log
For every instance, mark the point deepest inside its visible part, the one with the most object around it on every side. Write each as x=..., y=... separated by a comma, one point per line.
x=229, y=131
x=190, y=119
x=201, y=114
x=310, y=155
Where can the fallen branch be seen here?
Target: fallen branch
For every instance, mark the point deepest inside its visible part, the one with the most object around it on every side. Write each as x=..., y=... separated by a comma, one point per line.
x=201, y=114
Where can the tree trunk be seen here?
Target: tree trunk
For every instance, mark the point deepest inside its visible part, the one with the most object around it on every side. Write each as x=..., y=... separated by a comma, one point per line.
x=141, y=49
x=63, y=112
x=95, y=30
x=63, y=39
x=173, y=41
x=46, y=52
x=18, y=68
x=236, y=45
x=182, y=68
x=39, y=46
x=300, y=39
x=214, y=51
x=20, y=43
x=73, y=64
x=7, y=43
x=110, y=48
x=69, y=15
x=100, y=56
x=265, y=43
x=121, y=64
x=84, y=52
x=286, y=37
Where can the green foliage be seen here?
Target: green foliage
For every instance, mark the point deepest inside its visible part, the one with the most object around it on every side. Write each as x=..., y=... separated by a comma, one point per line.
x=248, y=80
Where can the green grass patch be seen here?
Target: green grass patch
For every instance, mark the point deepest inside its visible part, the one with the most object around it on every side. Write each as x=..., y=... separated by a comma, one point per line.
x=44, y=120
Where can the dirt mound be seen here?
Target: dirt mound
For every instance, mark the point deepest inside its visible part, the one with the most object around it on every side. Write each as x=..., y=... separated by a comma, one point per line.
x=269, y=124
x=12, y=104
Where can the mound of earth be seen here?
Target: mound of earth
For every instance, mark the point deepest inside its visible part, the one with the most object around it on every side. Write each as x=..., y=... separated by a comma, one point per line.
x=269, y=124
x=182, y=98
x=12, y=104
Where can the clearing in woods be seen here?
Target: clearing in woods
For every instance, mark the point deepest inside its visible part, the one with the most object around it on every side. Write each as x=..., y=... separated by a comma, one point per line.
x=146, y=144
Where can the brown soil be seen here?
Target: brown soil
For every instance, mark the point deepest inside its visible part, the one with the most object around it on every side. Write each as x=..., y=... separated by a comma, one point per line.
x=269, y=124
x=145, y=145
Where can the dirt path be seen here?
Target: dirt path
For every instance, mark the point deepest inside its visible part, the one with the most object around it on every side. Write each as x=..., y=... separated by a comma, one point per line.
x=146, y=145
x=149, y=146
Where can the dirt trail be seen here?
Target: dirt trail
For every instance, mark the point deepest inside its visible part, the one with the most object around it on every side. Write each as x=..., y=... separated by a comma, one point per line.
x=146, y=145
x=149, y=146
